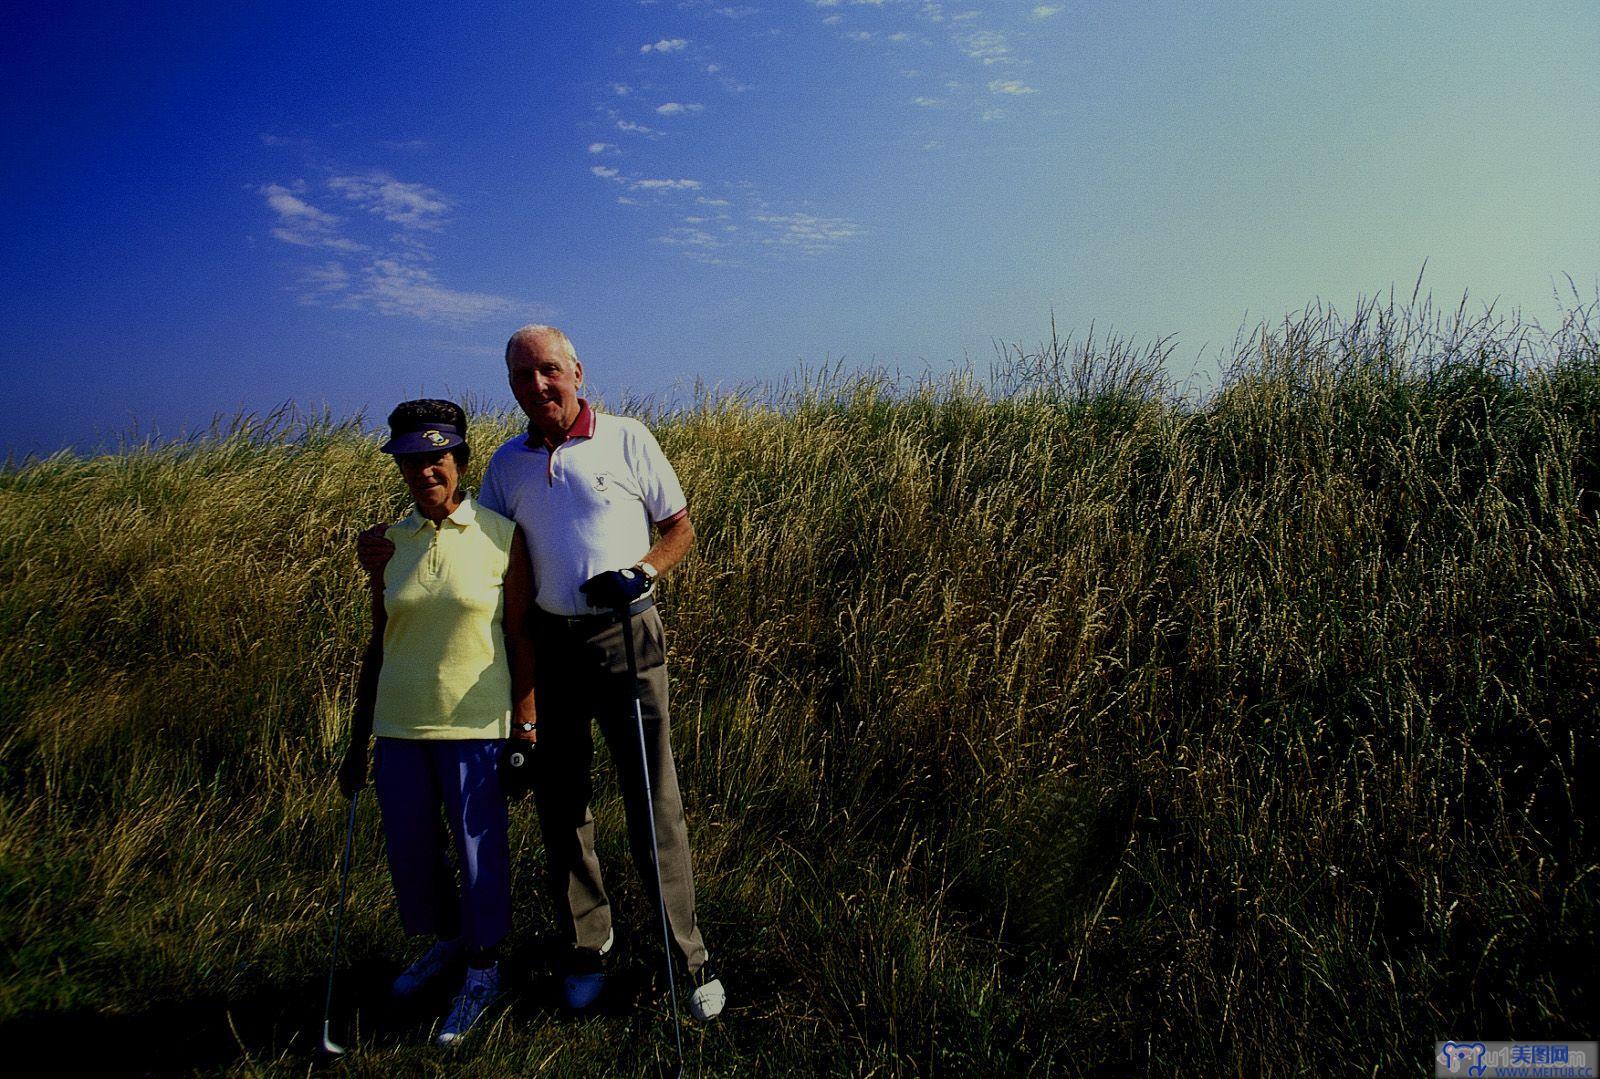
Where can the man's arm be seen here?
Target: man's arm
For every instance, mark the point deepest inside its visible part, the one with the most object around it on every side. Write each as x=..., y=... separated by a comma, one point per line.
x=677, y=536
x=617, y=588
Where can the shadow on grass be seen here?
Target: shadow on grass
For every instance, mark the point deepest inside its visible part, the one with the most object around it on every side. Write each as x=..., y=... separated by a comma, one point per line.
x=282, y=1023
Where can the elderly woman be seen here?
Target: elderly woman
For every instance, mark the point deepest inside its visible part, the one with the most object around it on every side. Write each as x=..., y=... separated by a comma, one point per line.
x=447, y=670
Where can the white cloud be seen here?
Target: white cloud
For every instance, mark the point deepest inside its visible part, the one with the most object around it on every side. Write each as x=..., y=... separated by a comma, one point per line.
x=992, y=114
x=411, y=205
x=677, y=108
x=635, y=129
x=621, y=89
x=702, y=200
x=859, y=35
x=898, y=35
x=292, y=208
x=987, y=45
x=330, y=277
x=927, y=102
x=737, y=12
x=665, y=185
x=832, y=20
x=605, y=172
x=807, y=232
x=392, y=286
x=392, y=280
x=697, y=244
x=601, y=148
x=302, y=224
x=676, y=44
x=692, y=237
x=1044, y=11
x=1010, y=86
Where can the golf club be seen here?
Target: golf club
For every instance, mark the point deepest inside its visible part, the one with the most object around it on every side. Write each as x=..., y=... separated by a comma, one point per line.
x=329, y=1046
x=650, y=815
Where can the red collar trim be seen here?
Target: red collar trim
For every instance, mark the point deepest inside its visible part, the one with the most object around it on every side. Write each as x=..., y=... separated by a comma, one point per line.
x=582, y=427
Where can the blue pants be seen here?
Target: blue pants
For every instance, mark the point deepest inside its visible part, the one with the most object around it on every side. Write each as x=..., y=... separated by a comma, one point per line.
x=417, y=777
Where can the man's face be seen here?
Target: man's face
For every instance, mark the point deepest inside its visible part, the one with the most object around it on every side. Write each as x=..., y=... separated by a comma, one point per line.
x=545, y=383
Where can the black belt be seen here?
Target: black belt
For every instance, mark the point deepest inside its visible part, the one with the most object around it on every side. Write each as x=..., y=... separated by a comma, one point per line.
x=591, y=623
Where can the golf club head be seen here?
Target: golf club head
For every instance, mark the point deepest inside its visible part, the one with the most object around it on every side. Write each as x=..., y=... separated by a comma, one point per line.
x=329, y=1046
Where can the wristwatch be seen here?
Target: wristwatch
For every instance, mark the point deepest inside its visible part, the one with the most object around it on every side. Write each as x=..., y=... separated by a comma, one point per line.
x=649, y=572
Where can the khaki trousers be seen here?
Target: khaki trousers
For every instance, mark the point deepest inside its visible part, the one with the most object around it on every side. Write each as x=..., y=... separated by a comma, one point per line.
x=582, y=675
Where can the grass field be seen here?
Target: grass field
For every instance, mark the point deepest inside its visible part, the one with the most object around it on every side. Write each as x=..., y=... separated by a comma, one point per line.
x=1049, y=725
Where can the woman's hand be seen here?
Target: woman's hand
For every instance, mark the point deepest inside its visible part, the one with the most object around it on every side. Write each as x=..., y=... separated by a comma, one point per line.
x=374, y=549
x=353, y=770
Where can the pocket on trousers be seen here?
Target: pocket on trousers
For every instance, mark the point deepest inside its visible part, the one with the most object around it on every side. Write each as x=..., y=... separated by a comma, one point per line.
x=653, y=641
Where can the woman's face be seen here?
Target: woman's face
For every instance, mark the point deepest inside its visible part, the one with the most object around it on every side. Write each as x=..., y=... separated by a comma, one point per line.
x=433, y=479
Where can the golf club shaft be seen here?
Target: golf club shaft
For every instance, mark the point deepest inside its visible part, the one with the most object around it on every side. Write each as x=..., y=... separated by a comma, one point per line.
x=338, y=921
x=650, y=815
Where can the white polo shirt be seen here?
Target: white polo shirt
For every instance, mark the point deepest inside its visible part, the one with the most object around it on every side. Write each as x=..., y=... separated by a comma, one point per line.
x=585, y=505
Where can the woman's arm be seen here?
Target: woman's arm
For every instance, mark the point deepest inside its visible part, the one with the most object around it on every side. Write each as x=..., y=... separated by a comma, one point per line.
x=518, y=628
x=353, y=772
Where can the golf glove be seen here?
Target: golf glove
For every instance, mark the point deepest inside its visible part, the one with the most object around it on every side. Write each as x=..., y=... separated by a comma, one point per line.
x=616, y=588
x=516, y=767
x=353, y=771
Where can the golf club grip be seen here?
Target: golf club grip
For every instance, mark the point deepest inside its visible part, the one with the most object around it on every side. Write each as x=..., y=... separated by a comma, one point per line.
x=625, y=616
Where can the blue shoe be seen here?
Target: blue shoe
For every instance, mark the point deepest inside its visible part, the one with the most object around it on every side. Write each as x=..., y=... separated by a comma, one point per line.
x=426, y=967
x=585, y=979
x=480, y=990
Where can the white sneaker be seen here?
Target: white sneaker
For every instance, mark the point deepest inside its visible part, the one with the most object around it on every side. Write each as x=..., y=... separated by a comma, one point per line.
x=425, y=968
x=481, y=989
x=708, y=998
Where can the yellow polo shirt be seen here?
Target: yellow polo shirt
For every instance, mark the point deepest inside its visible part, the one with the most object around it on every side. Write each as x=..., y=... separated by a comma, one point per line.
x=445, y=672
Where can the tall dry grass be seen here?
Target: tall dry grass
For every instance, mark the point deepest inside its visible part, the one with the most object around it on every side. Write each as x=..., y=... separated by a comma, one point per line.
x=1045, y=725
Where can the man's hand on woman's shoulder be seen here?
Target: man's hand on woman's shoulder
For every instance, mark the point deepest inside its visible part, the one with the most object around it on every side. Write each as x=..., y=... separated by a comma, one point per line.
x=374, y=549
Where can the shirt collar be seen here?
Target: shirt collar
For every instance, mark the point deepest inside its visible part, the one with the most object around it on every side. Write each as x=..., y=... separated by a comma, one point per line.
x=463, y=516
x=582, y=427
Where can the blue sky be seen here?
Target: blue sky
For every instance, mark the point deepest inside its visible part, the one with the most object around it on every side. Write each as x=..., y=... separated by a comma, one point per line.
x=211, y=208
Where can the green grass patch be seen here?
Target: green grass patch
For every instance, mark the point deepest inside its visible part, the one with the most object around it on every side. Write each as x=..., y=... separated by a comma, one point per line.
x=1049, y=724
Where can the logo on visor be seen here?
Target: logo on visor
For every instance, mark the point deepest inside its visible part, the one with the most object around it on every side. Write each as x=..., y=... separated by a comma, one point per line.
x=600, y=481
x=435, y=438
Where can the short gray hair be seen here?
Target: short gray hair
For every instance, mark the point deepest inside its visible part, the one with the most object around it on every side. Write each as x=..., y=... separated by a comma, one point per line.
x=533, y=332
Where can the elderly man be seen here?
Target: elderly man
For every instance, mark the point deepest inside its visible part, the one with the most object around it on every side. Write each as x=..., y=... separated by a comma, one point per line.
x=587, y=487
